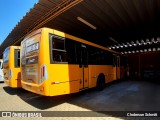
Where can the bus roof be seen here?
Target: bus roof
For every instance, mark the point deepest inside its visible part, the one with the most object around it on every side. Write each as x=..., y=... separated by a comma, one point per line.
x=71, y=37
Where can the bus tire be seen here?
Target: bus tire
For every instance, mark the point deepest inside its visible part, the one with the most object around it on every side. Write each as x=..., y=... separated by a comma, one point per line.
x=100, y=82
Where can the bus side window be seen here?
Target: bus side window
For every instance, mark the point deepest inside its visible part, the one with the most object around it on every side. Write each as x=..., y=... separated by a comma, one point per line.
x=79, y=54
x=58, y=52
x=70, y=46
x=17, y=58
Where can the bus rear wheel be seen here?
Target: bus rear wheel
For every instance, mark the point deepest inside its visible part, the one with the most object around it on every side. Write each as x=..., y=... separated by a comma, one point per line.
x=100, y=82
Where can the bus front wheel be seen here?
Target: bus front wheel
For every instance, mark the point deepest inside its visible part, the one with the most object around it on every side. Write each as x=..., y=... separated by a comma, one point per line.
x=100, y=82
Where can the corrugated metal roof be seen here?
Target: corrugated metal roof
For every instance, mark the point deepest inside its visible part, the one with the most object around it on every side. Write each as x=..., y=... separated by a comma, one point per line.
x=33, y=19
x=123, y=20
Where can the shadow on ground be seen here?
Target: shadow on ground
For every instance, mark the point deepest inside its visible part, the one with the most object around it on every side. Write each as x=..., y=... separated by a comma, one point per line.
x=45, y=102
x=14, y=91
x=128, y=95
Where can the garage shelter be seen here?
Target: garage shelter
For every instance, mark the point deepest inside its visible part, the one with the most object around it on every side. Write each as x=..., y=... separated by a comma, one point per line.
x=130, y=27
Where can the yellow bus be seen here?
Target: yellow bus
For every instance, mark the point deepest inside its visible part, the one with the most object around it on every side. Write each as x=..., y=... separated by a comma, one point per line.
x=11, y=66
x=55, y=63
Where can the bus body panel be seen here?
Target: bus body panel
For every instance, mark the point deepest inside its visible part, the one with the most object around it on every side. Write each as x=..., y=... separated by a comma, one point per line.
x=66, y=79
x=36, y=88
x=95, y=70
x=12, y=74
x=15, y=81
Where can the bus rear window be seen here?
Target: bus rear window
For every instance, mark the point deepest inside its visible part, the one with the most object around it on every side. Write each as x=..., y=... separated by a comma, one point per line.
x=30, y=49
x=32, y=44
x=6, y=55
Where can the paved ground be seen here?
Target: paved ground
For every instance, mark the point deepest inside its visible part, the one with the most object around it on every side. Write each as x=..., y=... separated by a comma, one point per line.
x=119, y=96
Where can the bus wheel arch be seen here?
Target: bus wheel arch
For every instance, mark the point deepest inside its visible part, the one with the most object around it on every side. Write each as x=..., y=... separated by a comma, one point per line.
x=100, y=82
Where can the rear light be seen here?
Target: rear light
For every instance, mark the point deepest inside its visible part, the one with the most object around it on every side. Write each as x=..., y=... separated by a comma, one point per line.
x=10, y=74
x=43, y=73
x=54, y=83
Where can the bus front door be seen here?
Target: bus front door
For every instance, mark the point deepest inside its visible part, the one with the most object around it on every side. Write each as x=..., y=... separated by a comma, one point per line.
x=83, y=67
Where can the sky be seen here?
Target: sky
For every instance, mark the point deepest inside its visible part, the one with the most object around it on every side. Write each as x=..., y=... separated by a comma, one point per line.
x=11, y=12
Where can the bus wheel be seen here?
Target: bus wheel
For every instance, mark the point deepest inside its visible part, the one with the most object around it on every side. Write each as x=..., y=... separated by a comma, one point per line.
x=100, y=82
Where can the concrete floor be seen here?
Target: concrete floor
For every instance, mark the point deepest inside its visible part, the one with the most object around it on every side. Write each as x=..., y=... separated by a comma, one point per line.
x=118, y=96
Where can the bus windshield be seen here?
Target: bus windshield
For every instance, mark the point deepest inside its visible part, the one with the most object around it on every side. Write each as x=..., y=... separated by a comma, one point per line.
x=6, y=55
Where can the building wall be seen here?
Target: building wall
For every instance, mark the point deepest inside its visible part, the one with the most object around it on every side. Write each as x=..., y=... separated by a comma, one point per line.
x=144, y=65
